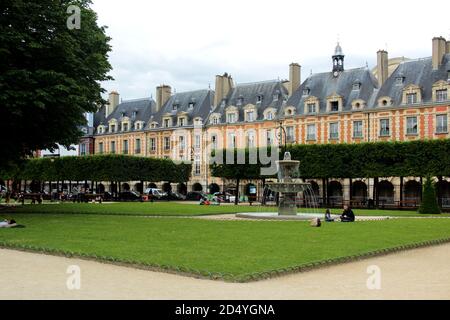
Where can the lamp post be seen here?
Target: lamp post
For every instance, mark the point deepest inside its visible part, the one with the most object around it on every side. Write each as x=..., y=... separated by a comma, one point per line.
x=280, y=136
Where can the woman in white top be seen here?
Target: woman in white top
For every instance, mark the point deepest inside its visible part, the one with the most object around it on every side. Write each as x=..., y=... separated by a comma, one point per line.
x=7, y=224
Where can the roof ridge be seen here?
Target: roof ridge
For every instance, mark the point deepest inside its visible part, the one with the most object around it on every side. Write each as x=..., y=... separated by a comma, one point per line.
x=258, y=82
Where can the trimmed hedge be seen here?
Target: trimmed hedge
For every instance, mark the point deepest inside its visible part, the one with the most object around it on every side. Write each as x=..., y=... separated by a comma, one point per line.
x=369, y=160
x=100, y=168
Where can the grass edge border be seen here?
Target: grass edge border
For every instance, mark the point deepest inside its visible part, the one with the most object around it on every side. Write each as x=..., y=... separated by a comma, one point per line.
x=226, y=277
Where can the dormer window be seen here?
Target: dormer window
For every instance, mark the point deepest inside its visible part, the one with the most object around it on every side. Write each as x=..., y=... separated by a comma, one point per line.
x=181, y=122
x=250, y=116
x=191, y=105
x=356, y=85
x=334, y=106
x=240, y=101
x=448, y=75
x=269, y=116
x=276, y=96
x=166, y=123
x=137, y=126
x=411, y=98
x=231, y=117
x=133, y=116
x=175, y=107
x=306, y=91
x=259, y=98
x=311, y=107
x=399, y=80
x=223, y=103
x=124, y=126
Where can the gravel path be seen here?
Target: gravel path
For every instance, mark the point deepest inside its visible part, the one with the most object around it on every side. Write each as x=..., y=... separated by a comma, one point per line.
x=415, y=274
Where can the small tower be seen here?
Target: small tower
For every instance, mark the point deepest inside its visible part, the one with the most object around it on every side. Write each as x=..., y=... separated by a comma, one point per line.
x=338, y=60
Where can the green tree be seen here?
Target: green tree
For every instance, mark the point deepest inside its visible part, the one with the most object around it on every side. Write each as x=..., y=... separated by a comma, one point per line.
x=49, y=74
x=429, y=203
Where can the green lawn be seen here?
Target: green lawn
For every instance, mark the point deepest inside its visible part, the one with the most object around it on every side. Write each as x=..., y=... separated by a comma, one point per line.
x=173, y=209
x=236, y=248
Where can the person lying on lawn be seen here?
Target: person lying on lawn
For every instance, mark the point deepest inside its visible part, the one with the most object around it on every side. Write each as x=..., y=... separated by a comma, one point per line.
x=8, y=224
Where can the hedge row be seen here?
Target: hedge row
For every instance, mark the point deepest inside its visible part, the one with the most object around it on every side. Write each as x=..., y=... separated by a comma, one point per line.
x=371, y=160
x=100, y=168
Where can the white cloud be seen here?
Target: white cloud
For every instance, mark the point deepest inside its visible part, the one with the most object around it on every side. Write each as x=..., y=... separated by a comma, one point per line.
x=186, y=43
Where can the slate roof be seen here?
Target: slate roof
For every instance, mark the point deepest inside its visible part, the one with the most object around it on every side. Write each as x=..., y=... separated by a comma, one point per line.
x=144, y=108
x=322, y=85
x=249, y=93
x=202, y=100
x=418, y=72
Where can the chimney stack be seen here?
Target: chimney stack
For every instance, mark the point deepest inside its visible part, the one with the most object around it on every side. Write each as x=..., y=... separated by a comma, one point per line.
x=223, y=86
x=163, y=93
x=447, y=50
x=294, y=77
x=382, y=66
x=113, y=102
x=439, y=49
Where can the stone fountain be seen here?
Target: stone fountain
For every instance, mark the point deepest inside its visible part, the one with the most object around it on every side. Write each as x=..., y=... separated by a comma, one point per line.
x=286, y=187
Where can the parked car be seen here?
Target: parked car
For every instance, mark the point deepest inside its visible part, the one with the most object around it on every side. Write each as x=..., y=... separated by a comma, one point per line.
x=155, y=193
x=129, y=196
x=195, y=196
x=225, y=197
x=173, y=196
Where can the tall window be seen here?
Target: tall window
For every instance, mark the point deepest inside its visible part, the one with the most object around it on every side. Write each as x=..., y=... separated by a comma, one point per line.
x=166, y=143
x=100, y=147
x=441, y=123
x=83, y=149
x=385, y=130
x=152, y=144
x=182, y=143
x=214, y=142
x=441, y=95
x=197, y=166
x=124, y=126
x=181, y=122
x=125, y=147
x=311, y=132
x=231, y=140
x=411, y=125
x=137, y=149
x=290, y=134
x=250, y=139
x=334, y=130
x=311, y=107
x=411, y=98
x=269, y=137
x=357, y=129
x=113, y=147
x=166, y=123
x=112, y=128
x=197, y=141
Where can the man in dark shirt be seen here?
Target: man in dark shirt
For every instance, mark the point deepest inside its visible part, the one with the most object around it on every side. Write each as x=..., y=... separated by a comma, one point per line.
x=347, y=215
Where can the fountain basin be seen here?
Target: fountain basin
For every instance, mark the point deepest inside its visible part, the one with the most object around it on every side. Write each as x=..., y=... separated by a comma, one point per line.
x=287, y=187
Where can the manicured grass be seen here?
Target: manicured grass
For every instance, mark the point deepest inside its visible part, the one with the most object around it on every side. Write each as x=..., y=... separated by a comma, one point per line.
x=237, y=248
x=176, y=209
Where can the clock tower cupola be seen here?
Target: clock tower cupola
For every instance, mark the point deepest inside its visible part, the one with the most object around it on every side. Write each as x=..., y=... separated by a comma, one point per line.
x=338, y=60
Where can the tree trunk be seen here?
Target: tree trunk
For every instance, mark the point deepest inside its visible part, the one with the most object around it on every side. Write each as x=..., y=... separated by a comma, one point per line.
x=236, y=200
x=375, y=192
x=439, y=191
x=401, y=192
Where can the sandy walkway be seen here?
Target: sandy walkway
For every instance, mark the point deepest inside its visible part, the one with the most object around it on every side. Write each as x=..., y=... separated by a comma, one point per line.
x=416, y=274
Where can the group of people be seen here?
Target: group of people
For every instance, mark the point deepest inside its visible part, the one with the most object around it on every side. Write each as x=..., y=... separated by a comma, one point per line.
x=346, y=216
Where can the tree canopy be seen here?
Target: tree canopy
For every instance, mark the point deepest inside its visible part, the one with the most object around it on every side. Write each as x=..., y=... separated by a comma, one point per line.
x=100, y=168
x=50, y=74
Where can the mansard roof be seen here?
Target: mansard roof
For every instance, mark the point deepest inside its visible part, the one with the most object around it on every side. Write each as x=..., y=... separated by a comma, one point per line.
x=144, y=108
x=323, y=85
x=249, y=93
x=418, y=72
x=202, y=101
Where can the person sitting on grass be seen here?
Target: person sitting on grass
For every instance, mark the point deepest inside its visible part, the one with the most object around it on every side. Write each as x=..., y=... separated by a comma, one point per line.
x=347, y=215
x=8, y=224
x=328, y=216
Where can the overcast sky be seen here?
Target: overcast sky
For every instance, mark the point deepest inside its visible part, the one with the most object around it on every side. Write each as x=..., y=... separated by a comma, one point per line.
x=185, y=43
